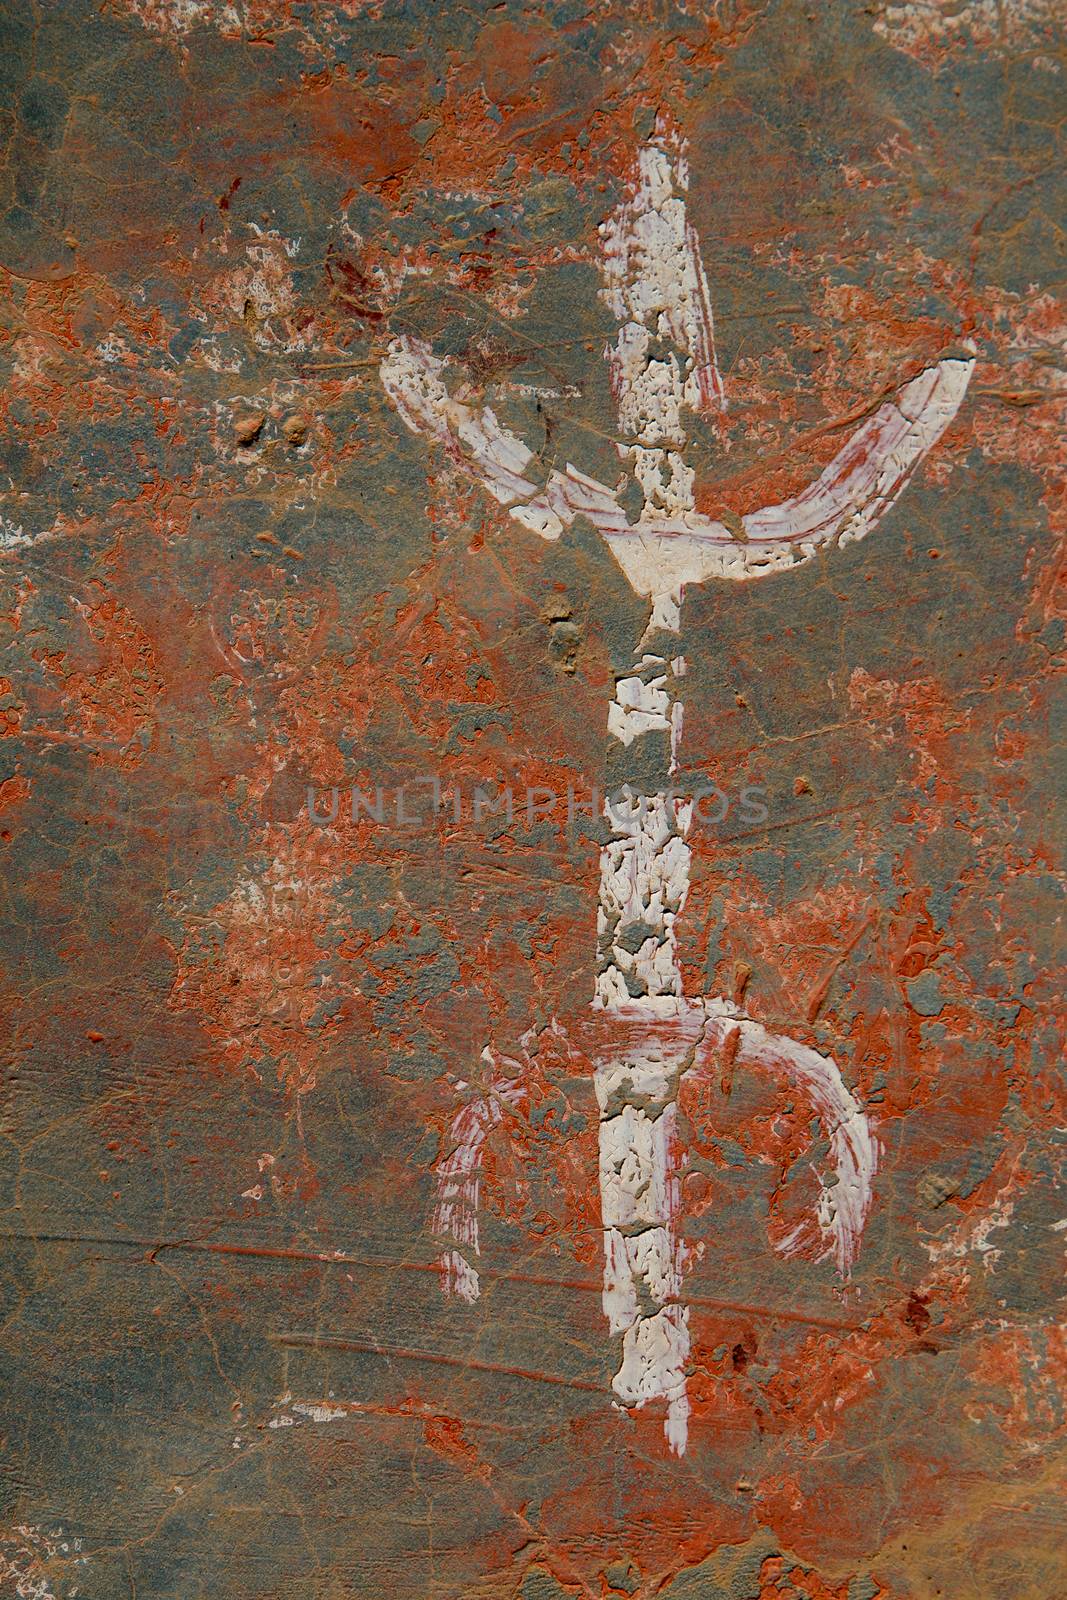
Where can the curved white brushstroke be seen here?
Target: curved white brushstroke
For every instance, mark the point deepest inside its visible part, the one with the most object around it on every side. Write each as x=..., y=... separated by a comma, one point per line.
x=844, y=1206
x=661, y=554
x=458, y=1181
x=655, y=284
x=662, y=365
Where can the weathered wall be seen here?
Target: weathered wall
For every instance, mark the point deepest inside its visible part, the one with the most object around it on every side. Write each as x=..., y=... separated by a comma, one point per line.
x=235, y=1042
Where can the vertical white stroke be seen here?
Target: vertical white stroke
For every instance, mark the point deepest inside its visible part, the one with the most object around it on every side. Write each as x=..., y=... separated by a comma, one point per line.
x=662, y=364
x=663, y=359
x=458, y=1179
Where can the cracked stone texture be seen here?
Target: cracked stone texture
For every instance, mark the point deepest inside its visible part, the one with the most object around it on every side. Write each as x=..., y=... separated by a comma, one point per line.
x=232, y=1037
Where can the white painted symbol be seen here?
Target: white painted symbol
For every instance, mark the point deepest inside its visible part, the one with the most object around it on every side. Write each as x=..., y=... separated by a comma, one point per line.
x=663, y=364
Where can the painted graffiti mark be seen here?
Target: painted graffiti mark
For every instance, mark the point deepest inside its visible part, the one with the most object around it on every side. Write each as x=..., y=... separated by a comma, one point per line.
x=662, y=364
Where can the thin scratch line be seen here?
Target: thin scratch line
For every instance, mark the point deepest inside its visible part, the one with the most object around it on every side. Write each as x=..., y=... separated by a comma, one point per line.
x=328, y=1341
x=338, y=1258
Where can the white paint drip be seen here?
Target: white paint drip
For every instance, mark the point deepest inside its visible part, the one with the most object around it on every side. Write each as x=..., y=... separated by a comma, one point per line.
x=639, y=707
x=309, y=1410
x=317, y=1413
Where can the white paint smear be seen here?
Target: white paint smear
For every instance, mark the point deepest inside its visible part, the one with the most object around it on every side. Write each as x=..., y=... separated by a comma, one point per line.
x=458, y=1182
